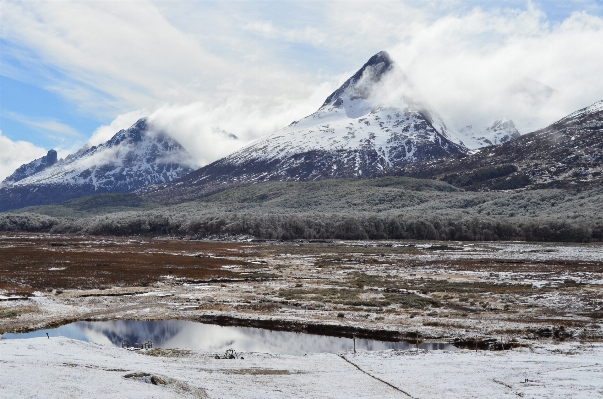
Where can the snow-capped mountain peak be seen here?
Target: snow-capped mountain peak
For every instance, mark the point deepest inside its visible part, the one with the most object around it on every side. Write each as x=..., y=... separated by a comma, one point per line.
x=360, y=85
x=501, y=131
x=372, y=122
x=28, y=169
x=362, y=115
x=133, y=158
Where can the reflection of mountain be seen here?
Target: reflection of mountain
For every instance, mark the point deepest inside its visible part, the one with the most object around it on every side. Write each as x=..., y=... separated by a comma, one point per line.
x=191, y=335
x=134, y=331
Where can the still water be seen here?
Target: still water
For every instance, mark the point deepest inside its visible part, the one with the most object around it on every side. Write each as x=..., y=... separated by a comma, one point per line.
x=191, y=335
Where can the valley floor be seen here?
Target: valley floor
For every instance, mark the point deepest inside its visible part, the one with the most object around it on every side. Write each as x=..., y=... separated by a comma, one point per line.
x=546, y=300
x=508, y=291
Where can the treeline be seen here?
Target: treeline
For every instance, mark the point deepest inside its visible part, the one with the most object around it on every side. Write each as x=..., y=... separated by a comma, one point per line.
x=28, y=222
x=317, y=226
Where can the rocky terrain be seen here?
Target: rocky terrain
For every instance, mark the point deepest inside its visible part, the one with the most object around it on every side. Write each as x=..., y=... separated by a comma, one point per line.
x=566, y=154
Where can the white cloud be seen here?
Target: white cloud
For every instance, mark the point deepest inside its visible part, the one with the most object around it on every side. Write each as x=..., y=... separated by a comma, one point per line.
x=16, y=153
x=475, y=67
x=472, y=65
x=126, y=55
x=200, y=127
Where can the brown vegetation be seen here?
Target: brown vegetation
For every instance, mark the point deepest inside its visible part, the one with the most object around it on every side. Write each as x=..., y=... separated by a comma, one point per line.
x=57, y=262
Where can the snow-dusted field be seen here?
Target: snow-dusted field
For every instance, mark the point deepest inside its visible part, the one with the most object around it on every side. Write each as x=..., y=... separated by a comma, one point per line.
x=441, y=290
x=65, y=368
x=525, y=292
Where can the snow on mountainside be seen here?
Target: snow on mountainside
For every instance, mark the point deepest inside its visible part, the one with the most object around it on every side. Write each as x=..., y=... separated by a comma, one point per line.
x=357, y=117
x=371, y=123
x=131, y=159
x=501, y=131
x=35, y=166
x=568, y=153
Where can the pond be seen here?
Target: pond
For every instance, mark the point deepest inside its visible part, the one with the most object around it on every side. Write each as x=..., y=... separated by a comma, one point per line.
x=192, y=335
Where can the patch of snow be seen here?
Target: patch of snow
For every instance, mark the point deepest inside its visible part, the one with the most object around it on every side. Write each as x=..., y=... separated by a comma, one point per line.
x=61, y=367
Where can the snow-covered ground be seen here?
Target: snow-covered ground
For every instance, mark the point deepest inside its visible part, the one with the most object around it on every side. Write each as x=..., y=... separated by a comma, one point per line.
x=66, y=368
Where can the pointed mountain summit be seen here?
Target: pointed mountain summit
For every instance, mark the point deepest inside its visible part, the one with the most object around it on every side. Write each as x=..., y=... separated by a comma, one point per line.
x=374, y=121
x=358, y=86
x=133, y=158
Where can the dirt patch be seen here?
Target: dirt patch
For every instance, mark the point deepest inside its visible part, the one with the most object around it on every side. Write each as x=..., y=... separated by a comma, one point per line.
x=159, y=352
x=357, y=297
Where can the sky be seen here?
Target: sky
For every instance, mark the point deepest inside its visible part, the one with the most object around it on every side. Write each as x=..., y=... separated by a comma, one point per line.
x=75, y=73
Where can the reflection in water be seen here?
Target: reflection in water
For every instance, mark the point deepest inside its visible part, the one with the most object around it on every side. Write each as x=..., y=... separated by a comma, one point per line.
x=191, y=335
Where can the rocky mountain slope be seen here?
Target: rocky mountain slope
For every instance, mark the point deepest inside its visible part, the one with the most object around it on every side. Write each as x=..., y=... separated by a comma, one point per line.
x=501, y=131
x=133, y=158
x=360, y=129
x=568, y=153
x=35, y=166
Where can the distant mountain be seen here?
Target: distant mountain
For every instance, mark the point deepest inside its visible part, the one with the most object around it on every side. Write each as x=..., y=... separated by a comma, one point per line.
x=131, y=159
x=35, y=166
x=357, y=132
x=568, y=153
x=501, y=131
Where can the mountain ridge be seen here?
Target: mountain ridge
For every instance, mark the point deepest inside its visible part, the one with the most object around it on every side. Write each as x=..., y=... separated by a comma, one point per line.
x=31, y=168
x=567, y=153
x=356, y=132
x=132, y=158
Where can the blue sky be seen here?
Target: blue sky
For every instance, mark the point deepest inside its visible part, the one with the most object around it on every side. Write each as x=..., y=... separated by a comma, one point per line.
x=72, y=71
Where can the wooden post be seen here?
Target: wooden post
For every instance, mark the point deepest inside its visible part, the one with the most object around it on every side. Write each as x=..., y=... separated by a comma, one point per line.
x=354, y=344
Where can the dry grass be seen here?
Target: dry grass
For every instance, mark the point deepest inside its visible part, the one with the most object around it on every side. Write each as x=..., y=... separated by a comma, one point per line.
x=69, y=263
x=320, y=280
x=445, y=324
x=355, y=297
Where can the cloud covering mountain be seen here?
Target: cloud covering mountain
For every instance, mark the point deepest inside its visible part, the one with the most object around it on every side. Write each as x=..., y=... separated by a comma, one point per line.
x=133, y=158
